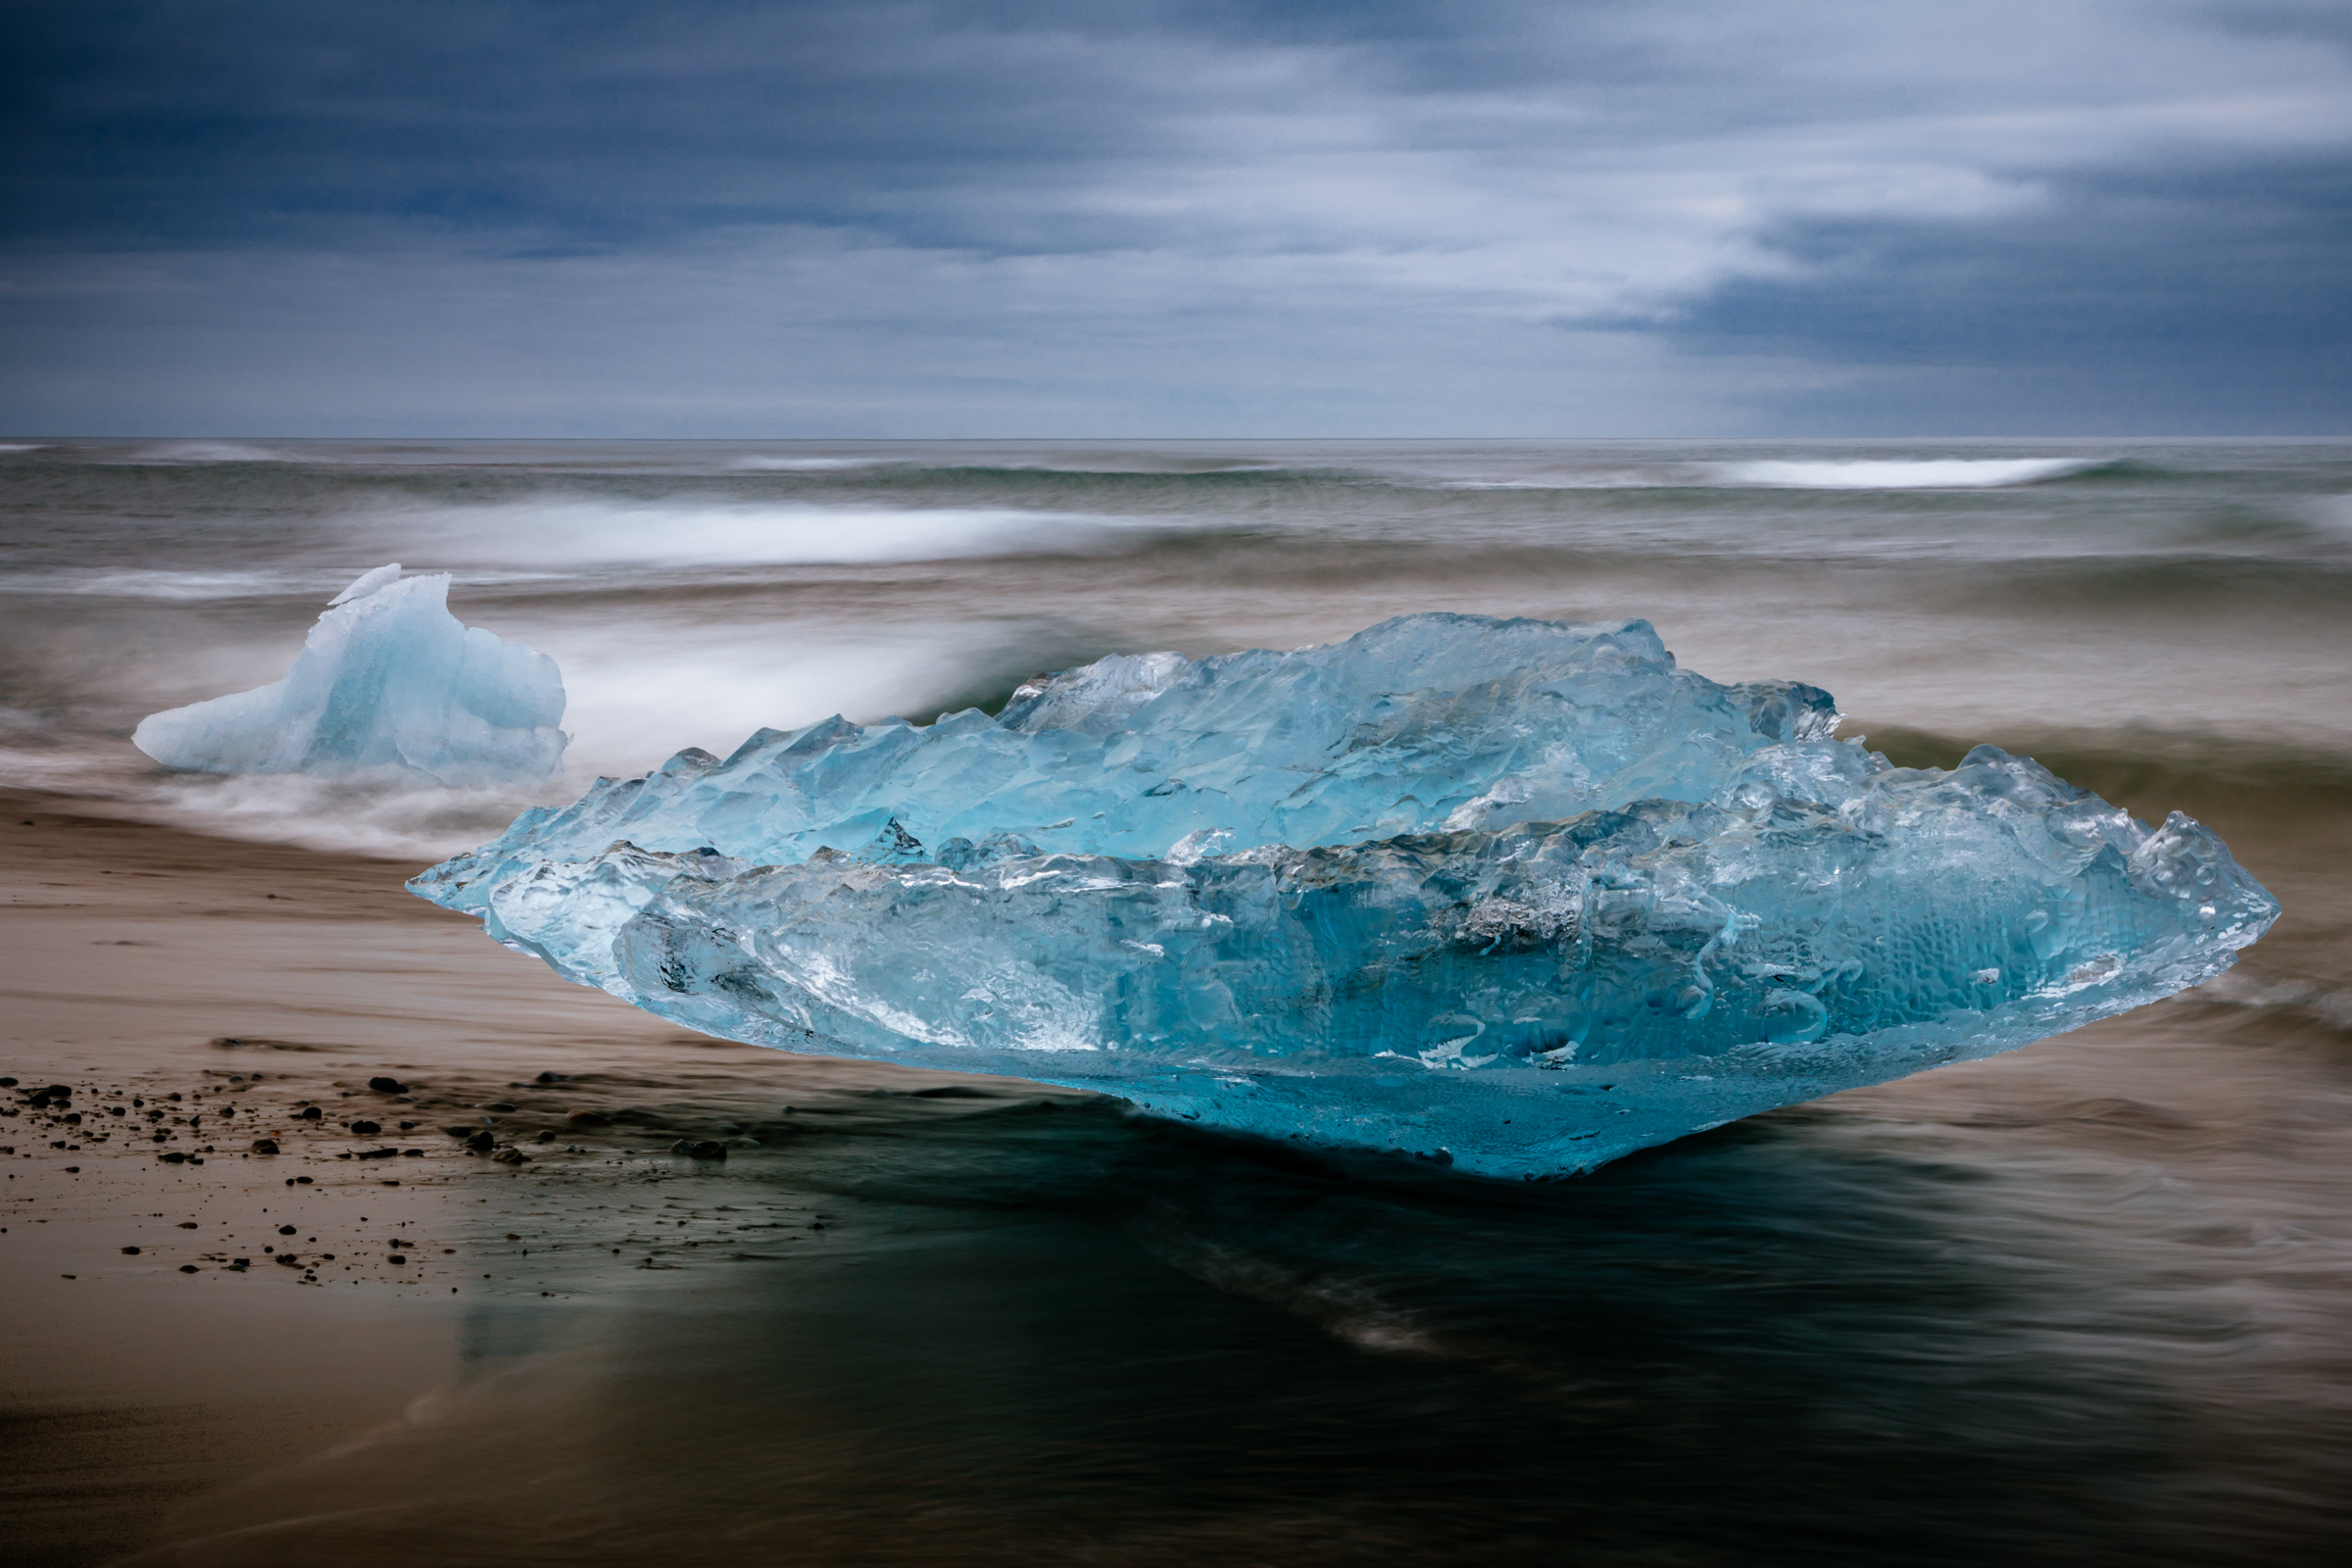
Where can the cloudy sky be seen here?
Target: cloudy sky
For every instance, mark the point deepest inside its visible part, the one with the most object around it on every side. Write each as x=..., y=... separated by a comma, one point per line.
x=1179, y=218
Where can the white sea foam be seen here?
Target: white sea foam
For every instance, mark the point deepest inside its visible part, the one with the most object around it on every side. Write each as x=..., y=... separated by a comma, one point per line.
x=19, y=446
x=142, y=583
x=1931, y=473
x=203, y=452
x=586, y=531
x=757, y=463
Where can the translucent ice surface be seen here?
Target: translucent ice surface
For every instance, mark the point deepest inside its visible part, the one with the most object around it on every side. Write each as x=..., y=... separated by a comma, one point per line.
x=388, y=678
x=1518, y=895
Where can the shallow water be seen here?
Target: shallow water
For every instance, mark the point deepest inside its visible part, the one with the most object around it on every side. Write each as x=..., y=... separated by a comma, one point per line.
x=2081, y=1303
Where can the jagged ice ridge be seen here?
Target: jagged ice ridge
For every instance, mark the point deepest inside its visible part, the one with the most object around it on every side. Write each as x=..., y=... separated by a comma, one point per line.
x=1520, y=894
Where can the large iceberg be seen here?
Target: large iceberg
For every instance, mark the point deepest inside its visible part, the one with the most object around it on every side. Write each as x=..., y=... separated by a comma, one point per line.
x=387, y=679
x=1519, y=895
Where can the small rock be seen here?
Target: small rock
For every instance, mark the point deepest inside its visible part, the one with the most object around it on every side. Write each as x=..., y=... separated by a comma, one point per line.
x=704, y=1150
x=308, y=1113
x=546, y=1136
x=502, y=1106
x=366, y=1129
x=172, y=1158
x=130, y=1252
x=387, y=1086
x=481, y=1143
x=265, y=1145
x=510, y=1156
x=588, y=1119
x=285, y=1230
x=187, y=1269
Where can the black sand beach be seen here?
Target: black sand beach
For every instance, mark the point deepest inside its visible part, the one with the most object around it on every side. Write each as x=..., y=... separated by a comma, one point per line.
x=2076, y=1303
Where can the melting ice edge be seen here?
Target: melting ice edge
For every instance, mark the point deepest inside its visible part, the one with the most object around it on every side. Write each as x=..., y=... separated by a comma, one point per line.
x=1520, y=894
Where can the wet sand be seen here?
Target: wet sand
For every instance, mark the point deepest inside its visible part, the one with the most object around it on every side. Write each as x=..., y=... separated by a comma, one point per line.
x=2083, y=1303
x=198, y=995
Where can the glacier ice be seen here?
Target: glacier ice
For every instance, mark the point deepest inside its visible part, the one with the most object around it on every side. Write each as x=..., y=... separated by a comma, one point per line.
x=1520, y=894
x=387, y=678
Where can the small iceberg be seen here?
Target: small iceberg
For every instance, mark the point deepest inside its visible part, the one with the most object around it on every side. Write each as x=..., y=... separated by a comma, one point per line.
x=387, y=679
x=1519, y=895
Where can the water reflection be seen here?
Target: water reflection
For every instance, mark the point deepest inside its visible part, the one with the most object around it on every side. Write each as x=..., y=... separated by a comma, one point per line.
x=1941, y=1325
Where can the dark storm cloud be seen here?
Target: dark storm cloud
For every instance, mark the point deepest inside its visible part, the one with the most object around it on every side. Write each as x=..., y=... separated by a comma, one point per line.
x=1209, y=215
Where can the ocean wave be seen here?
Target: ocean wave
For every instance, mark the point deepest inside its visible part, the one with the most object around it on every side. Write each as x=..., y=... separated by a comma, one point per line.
x=1925, y=474
x=694, y=532
x=755, y=463
x=179, y=452
x=20, y=446
x=147, y=583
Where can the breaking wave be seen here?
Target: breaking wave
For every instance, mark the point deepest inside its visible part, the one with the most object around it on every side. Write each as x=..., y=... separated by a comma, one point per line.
x=1931, y=473
x=689, y=532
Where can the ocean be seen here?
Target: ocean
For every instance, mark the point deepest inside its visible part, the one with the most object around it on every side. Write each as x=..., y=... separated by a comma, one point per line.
x=2085, y=1303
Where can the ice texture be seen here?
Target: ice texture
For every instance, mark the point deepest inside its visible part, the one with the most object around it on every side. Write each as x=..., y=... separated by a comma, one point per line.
x=387, y=679
x=1517, y=894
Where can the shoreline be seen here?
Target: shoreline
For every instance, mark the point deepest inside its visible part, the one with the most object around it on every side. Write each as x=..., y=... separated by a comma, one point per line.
x=2095, y=1278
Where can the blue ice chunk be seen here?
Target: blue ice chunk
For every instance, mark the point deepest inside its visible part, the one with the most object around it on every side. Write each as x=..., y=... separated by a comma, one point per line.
x=387, y=678
x=1588, y=902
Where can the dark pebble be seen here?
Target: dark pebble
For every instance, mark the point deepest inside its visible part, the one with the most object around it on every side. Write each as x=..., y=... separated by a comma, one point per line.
x=285, y=1230
x=501, y=1105
x=265, y=1145
x=308, y=1113
x=130, y=1252
x=366, y=1129
x=187, y=1269
x=172, y=1158
x=510, y=1156
x=481, y=1143
x=554, y=1077
x=387, y=1086
x=588, y=1119
x=704, y=1150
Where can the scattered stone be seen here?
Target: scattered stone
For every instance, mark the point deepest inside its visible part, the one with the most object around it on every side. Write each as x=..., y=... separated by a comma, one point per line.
x=187, y=1269
x=310, y=1113
x=546, y=1136
x=130, y=1252
x=285, y=1230
x=588, y=1119
x=240, y=1264
x=502, y=1106
x=366, y=1129
x=265, y=1145
x=387, y=1086
x=555, y=1078
x=173, y=1157
x=481, y=1143
x=704, y=1150
x=510, y=1156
